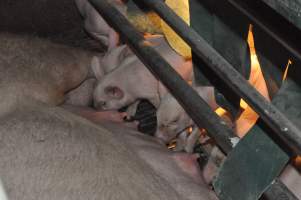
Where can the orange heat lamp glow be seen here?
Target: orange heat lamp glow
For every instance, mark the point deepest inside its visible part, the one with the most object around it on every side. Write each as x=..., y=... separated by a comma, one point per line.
x=290, y=62
x=297, y=162
x=249, y=117
x=189, y=130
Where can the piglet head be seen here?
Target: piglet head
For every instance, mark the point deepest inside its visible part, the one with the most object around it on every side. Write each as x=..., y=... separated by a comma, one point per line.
x=171, y=119
x=108, y=97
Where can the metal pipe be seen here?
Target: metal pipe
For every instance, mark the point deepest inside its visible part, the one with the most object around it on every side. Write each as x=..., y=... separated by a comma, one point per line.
x=198, y=109
x=285, y=130
x=277, y=190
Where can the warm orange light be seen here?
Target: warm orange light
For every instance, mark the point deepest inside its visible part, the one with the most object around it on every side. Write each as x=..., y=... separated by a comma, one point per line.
x=249, y=117
x=297, y=162
x=220, y=111
x=289, y=63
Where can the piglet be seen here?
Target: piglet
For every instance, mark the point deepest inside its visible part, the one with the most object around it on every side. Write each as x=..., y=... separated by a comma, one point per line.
x=132, y=81
x=96, y=26
x=173, y=121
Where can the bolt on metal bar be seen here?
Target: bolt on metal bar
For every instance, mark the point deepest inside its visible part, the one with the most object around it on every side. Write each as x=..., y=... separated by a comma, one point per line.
x=198, y=109
x=284, y=129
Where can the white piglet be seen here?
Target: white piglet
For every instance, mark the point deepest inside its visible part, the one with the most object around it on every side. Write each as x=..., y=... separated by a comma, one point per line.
x=173, y=121
x=132, y=81
x=96, y=26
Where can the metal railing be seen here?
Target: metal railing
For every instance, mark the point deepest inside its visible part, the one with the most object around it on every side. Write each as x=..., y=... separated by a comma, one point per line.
x=195, y=106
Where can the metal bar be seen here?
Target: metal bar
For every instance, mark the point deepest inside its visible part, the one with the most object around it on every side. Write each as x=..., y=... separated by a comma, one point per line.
x=277, y=190
x=285, y=130
x=198, y=109
x=275, y=32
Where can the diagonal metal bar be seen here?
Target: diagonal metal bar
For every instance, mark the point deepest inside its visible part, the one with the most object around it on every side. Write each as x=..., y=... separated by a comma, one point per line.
x=285, y=130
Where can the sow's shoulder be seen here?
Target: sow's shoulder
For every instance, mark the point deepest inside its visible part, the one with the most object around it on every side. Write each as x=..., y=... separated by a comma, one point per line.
x=47, y=153
x=37, y=66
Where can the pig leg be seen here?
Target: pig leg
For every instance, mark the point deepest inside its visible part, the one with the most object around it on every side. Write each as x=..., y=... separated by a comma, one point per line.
x=113, y=39
x=189, y=165
x=93, y=115
x=191, y=140
x=98, y=117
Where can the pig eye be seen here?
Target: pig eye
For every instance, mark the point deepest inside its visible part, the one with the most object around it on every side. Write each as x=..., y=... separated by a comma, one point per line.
x=114, y=92
x=175, y=121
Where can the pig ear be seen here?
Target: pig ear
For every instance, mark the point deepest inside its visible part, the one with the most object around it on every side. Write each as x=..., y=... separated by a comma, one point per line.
x=121, y=53
x=114, y=92
x=115, y=57
x=96, y=67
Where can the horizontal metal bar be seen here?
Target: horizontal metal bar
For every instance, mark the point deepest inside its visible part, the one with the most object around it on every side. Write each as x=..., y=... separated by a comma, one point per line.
x=198, y=109
x=285, y=130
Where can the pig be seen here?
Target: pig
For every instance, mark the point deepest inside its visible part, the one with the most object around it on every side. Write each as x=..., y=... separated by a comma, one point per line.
x=96, y=26
x=132, y=81
x=48, y=153
x=50, y=70
x=173, y=121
